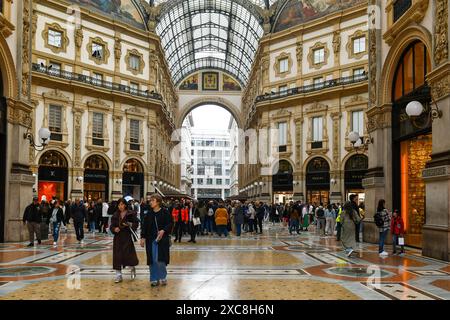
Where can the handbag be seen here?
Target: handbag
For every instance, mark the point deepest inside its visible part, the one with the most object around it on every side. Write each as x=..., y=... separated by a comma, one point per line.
x=170, y=237
x=401, y=241
x=196, y=221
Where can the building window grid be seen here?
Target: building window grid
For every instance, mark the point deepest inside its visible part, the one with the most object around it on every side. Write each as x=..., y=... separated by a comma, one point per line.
x=359, y=45
x=317, y=123
x=319, y=55
x=55, y=38
x=134, y=134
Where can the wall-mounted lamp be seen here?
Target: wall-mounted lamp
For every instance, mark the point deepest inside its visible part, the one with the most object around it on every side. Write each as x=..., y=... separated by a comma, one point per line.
x=357, y=141
x=295, y=182
x=79, y=179
x=415, y=109
x=119, y=181
x=261, y=183
x=161, y=183
x=333, y=181
x=44, y=138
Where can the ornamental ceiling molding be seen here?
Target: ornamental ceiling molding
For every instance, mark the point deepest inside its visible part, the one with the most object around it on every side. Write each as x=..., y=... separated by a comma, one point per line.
x=441, y=32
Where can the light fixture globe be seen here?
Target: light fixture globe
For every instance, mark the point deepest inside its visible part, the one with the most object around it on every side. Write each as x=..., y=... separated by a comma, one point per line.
x=44, y=135
x=414, y=109
x=353, y=137
x=358, y=143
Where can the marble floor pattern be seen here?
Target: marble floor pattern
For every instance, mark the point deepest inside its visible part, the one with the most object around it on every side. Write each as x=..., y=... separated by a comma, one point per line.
x=274, y=265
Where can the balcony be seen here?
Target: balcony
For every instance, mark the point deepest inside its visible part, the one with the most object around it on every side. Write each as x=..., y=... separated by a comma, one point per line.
x=117, y=87
x=313, y=87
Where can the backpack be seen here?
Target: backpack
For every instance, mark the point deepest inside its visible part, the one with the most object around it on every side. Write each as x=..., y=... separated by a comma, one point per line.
x=320, y=213
x=378, y=220
x=210, y=212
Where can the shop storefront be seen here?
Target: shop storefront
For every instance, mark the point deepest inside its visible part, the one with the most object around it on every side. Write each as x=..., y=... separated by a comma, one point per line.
x=318, y=181
x=52, y=176
x=355, y=170
x=133, y=179
x=411, y=140
x=96, y=179
x=282, y=183
x=3, y=129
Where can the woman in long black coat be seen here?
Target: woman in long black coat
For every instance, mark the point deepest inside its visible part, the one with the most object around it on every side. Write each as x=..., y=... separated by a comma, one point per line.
x=124, y=252
x=155, y=235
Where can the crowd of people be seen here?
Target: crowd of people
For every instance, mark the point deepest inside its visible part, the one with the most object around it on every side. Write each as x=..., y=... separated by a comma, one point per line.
x=157, y=221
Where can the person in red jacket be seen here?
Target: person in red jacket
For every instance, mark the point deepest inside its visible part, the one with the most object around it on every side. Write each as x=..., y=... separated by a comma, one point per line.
x=180, y=217
x=398, y=230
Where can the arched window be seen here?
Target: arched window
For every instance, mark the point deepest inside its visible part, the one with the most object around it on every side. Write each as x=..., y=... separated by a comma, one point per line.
x=411, y=71
x=96, y=162
x=132, y=165
x=318, y=165
x=357, y=162
x=53, y=159
x=284, y=167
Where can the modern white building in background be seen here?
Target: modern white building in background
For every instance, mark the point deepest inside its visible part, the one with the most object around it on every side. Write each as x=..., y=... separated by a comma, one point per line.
x=234, y=152
x=211, y=152
x=186, y=165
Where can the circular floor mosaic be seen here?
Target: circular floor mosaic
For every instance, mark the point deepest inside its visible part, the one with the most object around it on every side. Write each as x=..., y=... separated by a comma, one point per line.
x=23, y=271
x=359, y=272
x=87, y=247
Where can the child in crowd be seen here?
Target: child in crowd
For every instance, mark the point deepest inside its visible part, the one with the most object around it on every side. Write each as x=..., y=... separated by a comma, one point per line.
x=398, y=230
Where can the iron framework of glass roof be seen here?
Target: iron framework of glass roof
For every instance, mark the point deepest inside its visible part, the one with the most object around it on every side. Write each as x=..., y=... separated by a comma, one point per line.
x=210, y=34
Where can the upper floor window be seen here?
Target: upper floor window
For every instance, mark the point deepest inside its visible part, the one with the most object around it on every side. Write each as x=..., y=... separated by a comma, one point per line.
x=200, y=181
x=359, y=45
x=55, y=38
x=359, y=72
x=98, y=50
x=283, y=65
x=135, y=62
x=98, y=78
x=283, y=89
x=134, y=87
x=318, y=82
x=97, y=129
x=227, y=182
x=134, y=134
x=282, y=133
x=219, y=181
x=317, y=123
x=209, y=181
x=400, y=7
x=54, y=68
x=319, y=55
x=55, y=122
x=358, y=122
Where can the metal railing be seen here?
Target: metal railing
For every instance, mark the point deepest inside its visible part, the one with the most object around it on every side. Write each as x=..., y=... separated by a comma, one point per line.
x=313, y=87
x=81, y=78
x=95, y=82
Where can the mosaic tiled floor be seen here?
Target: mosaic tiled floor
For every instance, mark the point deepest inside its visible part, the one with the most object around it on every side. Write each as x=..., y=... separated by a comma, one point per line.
x=274, y=265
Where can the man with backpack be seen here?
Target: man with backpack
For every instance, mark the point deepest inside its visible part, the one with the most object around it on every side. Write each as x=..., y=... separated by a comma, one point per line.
x=320, y=218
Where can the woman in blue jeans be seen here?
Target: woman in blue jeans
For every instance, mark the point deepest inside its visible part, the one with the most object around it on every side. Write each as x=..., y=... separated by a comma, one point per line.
x=55, y=219
x=155, y=236
x=384, y=230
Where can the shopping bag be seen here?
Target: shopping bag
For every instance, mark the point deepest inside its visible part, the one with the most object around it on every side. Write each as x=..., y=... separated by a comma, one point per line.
x=401, y=241
x=196, y=221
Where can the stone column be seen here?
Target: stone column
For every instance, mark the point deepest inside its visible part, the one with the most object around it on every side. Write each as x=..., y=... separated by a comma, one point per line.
x=335, y=173
x=77, y=170
x=19, y=179
x=117, y=171
x=298, y=169
x=436, y=231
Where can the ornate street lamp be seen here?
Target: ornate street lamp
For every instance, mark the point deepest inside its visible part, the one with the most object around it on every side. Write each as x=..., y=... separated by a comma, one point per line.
x=44, y=138
x=415, y=109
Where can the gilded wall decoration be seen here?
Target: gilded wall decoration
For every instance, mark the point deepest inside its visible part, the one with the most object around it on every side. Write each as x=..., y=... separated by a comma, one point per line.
x=26, y=48
x=441, y=32
x=373, y=67
x=191, y=83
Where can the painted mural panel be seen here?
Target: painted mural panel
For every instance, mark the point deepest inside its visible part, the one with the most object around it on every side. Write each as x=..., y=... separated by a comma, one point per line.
x=299, y=11
x=229, y=84
x=190, y=83
x=210, y=81
x=124, y=10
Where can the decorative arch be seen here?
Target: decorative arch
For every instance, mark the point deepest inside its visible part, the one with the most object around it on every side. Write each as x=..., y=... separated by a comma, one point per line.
x=274, y=164
x=402, y=41
x=57, y=156
x=61, y=151
x=348, y=156
x=138, y=159
x=308, y=160
x=209, y=100
x=94, y=154
x=8, y=70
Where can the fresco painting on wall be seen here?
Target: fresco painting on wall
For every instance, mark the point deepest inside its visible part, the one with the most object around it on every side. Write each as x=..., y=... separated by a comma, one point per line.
x=229, y=84
x=300, y=11
x=122, y=9
x=210, y=81
x=190, y=83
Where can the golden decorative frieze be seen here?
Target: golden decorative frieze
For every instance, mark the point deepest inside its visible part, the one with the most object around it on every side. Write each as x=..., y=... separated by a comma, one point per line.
x=441, y=32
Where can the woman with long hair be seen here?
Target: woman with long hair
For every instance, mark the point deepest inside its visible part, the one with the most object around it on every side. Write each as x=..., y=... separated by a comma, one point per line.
x=384, y=224
x=349, y=219
x=123, y=225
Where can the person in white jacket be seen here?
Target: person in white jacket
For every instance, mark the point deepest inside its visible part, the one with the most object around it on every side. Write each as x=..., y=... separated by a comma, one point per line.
x=105, y=217
x=252, y=218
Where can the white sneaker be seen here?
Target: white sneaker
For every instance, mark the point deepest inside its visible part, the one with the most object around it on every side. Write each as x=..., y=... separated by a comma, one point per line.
x=384, y=254
x=350, y=253
x=54, y=244
x=81, y=242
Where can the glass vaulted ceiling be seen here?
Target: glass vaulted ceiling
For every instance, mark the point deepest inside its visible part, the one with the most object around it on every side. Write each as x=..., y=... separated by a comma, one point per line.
x=210, y=34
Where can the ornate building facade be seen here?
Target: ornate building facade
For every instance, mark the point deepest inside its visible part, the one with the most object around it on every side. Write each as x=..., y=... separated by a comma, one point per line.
x=409, y=156
x=308, y=90
x=100, y=83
